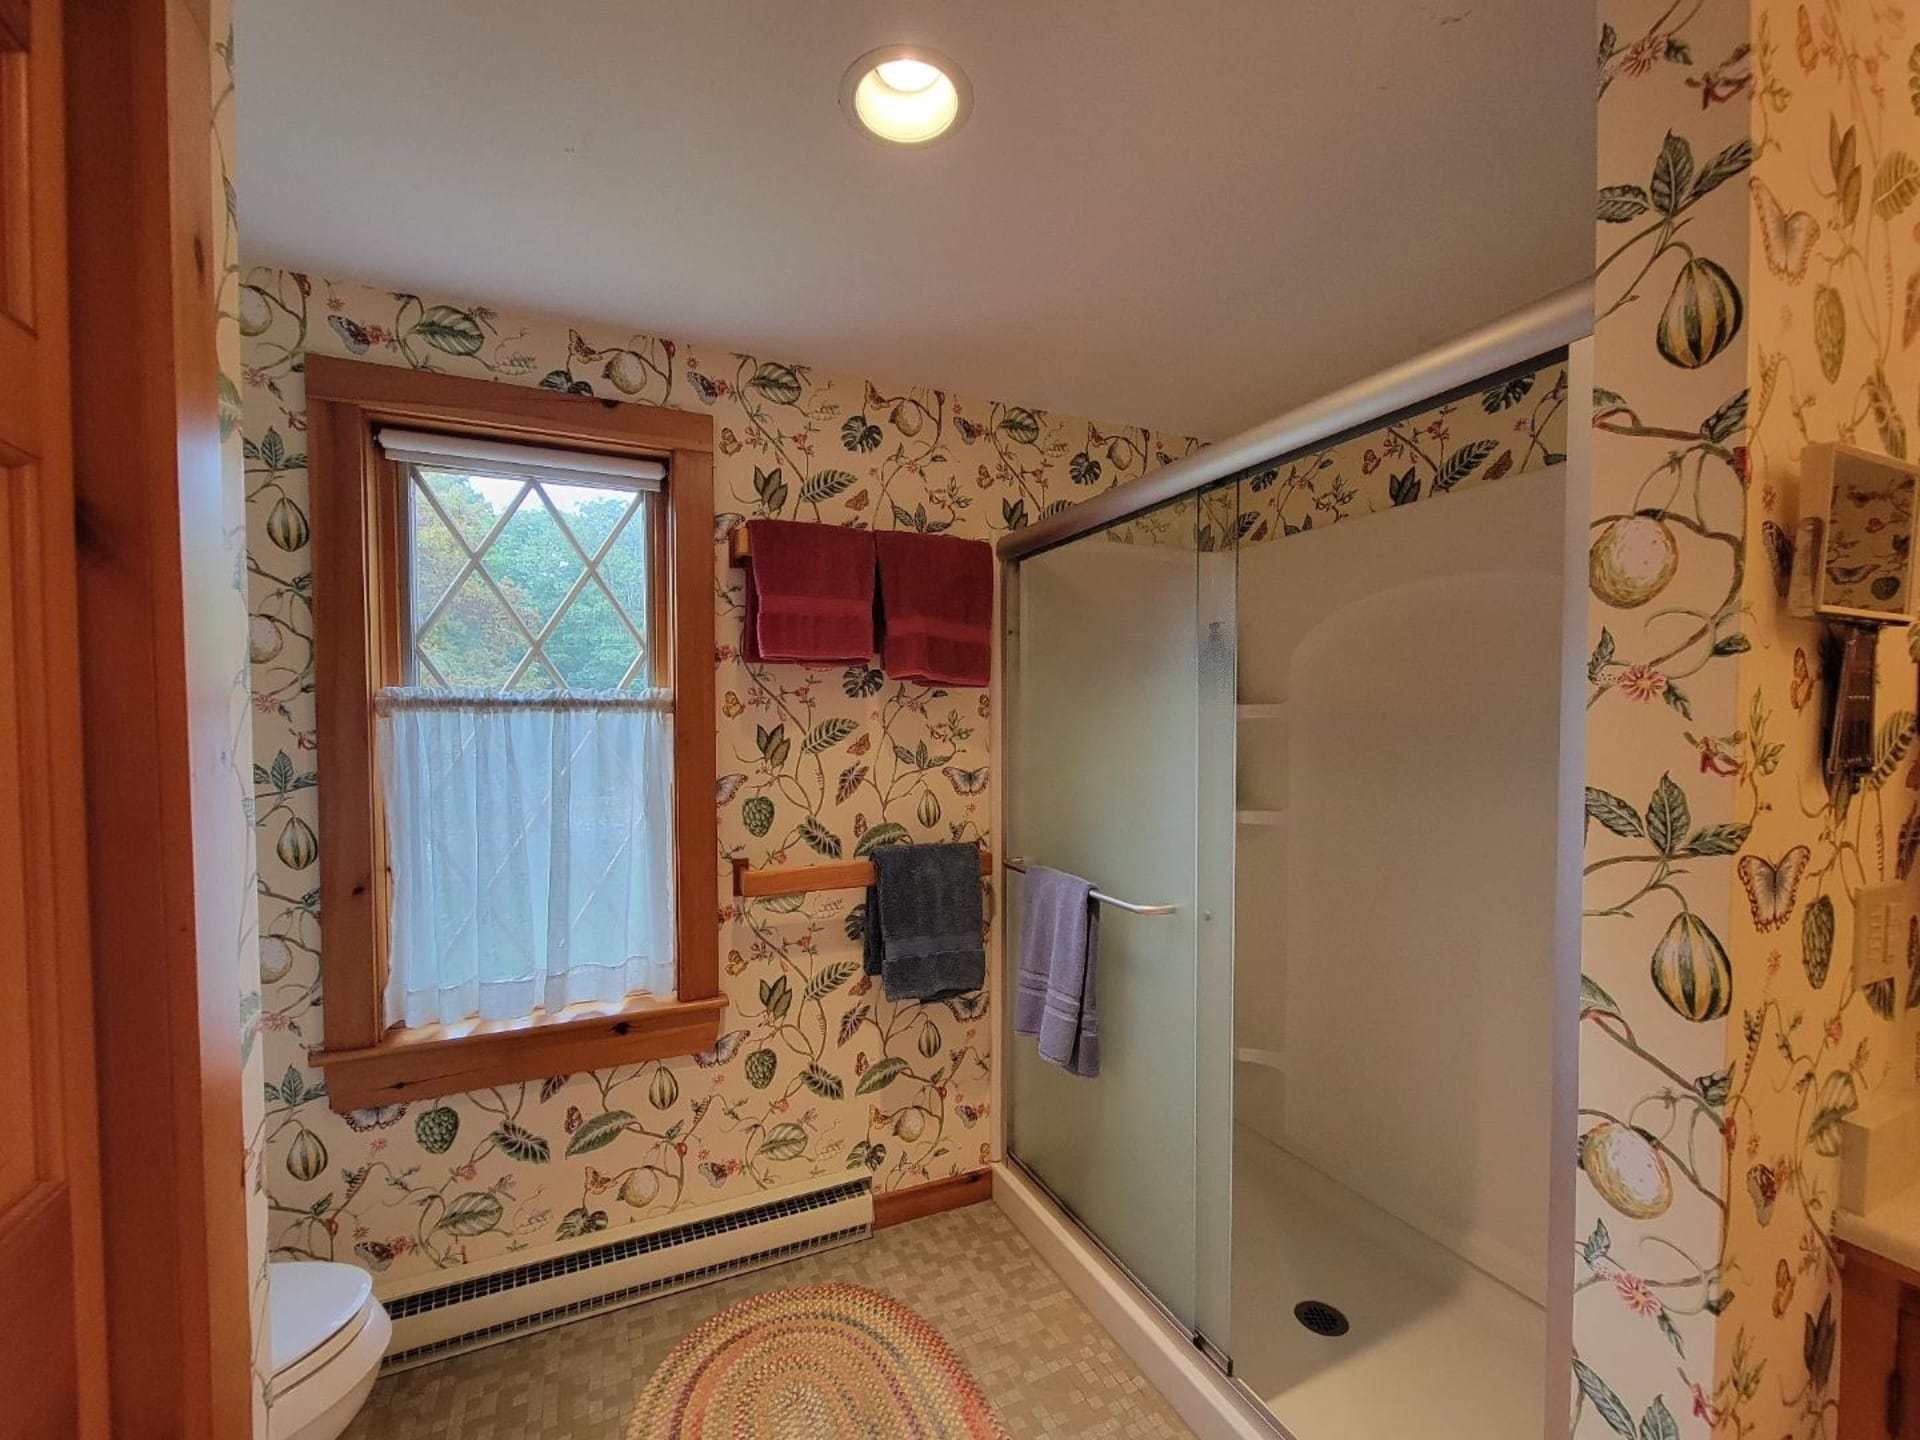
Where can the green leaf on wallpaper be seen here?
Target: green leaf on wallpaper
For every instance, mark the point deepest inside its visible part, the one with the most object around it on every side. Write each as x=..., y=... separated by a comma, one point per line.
x=580, y=1221
x=760, y=1068
x=1614, y=813
x=1013, y=513
x=771, y=489
x=1880, y=997
x=1722, y=168
x=1596, y=1245
x=450, y=330
x=1890, y=747
x=1829, y=330
x=773, y=744
x=1658, y=1423
x=756, y=813
x=1021, y=425
x=1462, y=463
x=1735, y=644
x=1716, y=840
x=822, y=840
x=887, y=832
x=1083, y=469
x=850, y=780
x=1602, y=657
x=779, y=383
x=1837, y=1098
x=1593, y=997
x=1668, y=817
x=785, y=1141
x=1507, y=394
x=1726, y=422
x=825, y=484
x=1895, y=184
x=1672, y=175
x=1816, y=939
x=520, y=1143
x=474, y=1213
x=230, y=404
x=1886, y=415
x=1620, y=203
x=822, y=1081
x=855, y=927
x=1910, y=313
x=1404, y=489
x=862, y=681
x=859, y=435
x=1676, y=699
x=1913, y=78
x=600, y=1131
x=830, y=978
x=776, y=998
x=829, y=733
x=880, y=1074
x=1600, y=1395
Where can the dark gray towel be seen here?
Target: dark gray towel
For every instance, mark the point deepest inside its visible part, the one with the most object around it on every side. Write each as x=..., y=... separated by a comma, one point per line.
x=1059, y=953
x=925, y=931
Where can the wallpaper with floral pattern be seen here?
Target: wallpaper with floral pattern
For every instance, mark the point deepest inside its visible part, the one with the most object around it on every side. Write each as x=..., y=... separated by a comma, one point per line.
x=237, y=911
x=1752, y=185
x=816, y=1072
x=1834, y=261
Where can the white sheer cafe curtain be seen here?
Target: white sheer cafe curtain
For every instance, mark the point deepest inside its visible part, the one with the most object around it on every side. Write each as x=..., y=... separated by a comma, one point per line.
x=530, y=842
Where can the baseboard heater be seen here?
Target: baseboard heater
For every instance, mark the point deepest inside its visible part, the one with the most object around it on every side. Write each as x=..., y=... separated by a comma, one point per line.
x=535, y=1289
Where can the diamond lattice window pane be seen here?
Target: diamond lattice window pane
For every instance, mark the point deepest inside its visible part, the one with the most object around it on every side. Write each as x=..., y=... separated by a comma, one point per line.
x=591, y=511
x=473, y=640
x=591, y=647
x=533, y=563
x=438, y=559
x=624, y=571
x=472, y=502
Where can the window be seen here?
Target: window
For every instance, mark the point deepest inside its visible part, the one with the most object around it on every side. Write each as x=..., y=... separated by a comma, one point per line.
x=518, y=854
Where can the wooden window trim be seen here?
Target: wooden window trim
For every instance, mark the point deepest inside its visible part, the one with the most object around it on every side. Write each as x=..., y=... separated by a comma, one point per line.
x=360, y=642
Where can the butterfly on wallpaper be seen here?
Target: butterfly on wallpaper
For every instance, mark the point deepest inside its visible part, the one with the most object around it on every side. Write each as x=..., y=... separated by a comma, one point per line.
x=709, y=390
x=1772, y=888
x=377, y=1253
x=574, y=1119
x=1801, y=691
x=717, y=1173
x=352, y=332
x=724, y=1049
x=965, y=782
x=377, y=1117
x=725, y=523
x=969, y=431
x=1782, y=1288
x=1779, y=555
x=727, y=787
x=970, y=1114
x=1787, y=237
x=970, y=1006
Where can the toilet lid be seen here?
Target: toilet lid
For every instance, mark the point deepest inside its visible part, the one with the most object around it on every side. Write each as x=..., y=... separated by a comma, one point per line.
x=310, y=1302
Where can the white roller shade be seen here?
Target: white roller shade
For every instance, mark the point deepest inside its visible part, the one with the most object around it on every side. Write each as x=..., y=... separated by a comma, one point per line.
x=470, y=456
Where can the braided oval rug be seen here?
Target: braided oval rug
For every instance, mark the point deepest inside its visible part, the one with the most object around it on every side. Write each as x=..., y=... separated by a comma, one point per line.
x=816, y=1362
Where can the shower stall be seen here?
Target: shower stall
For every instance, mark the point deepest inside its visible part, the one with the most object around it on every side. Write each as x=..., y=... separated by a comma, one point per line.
x=1305, y=709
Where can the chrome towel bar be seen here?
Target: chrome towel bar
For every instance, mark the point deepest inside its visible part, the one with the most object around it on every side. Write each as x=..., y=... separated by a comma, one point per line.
x=1020, y=864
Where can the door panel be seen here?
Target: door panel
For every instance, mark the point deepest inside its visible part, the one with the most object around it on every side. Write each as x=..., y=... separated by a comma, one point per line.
x=51, y=1370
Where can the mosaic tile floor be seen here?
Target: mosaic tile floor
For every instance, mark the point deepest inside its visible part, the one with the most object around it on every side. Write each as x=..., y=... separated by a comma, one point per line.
x=1049, y=1370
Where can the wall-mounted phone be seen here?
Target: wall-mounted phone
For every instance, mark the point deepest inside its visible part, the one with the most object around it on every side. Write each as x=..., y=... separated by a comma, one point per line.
x=1854, y=565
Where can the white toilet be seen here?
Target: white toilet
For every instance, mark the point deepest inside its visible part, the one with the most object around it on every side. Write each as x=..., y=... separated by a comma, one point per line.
x=328, y=1334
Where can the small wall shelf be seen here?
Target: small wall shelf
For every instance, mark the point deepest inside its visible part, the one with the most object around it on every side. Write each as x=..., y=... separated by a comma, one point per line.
x=1261, y=817
x=1275, y=711
x=797, y=879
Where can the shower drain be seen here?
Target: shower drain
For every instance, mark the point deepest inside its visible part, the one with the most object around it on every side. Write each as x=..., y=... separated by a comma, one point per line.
x=1321, y=1318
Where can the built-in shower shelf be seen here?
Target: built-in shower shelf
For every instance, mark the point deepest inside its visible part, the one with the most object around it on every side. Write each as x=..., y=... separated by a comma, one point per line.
x=1252, y=1055
x=1262, y=817
x=1275, y=711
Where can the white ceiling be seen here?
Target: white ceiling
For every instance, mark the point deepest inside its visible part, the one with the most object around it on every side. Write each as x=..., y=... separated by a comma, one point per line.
x=1182, y=213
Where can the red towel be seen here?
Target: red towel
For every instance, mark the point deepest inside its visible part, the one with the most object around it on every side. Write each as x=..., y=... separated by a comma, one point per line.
x=809, y=593
x=936, y=607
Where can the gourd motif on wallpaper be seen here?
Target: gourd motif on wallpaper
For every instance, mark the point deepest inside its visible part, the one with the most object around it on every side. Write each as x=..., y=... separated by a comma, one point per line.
x=816, y=1072
x=1708, y=1160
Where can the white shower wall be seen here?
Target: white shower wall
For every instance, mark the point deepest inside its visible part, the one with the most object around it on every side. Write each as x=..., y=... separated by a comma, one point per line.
x=1395, y=887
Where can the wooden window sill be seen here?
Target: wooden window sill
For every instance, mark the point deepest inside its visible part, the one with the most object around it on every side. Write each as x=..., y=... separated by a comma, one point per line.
x=436, y=1060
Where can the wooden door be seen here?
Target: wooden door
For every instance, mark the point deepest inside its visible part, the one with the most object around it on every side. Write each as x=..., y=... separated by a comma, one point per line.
x=51, y=1346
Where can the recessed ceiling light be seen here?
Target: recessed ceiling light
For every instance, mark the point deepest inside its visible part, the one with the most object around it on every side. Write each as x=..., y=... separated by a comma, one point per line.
x=906, y=94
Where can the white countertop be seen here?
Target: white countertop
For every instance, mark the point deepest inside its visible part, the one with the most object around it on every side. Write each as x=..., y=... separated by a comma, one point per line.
x=1890, y=1229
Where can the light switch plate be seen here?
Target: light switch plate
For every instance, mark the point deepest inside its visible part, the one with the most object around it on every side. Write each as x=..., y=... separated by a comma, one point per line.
x=1879, y=933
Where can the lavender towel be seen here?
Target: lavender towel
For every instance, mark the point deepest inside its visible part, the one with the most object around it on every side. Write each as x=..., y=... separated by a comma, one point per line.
x=1059, y=952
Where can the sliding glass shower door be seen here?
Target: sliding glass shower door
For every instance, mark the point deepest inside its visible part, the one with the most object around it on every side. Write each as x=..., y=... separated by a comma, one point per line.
x=1121, y=772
